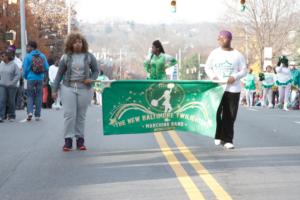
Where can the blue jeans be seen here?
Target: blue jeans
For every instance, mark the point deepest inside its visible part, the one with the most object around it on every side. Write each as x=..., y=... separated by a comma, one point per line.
x=7, y=102
x=34, y=97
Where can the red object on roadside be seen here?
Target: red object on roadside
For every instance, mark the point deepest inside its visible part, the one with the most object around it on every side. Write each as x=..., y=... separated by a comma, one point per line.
x=45, y=94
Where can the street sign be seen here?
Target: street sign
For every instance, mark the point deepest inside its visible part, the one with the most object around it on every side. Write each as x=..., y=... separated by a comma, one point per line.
x=268, y=54
x=8, y=36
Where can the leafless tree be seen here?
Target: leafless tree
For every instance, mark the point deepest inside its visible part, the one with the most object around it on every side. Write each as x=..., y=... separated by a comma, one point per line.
x=266, y=23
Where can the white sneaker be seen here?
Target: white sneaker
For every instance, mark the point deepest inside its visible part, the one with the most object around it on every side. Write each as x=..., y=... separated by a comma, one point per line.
x=228, y=145
x=218, y=142
x=285, y=108
x=37, y=119
x=270, y=106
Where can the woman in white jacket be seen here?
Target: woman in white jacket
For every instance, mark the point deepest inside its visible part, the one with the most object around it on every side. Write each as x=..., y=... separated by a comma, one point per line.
x=284, y=81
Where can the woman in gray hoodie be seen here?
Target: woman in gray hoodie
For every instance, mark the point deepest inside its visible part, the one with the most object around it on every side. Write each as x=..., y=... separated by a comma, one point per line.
x=9, y=78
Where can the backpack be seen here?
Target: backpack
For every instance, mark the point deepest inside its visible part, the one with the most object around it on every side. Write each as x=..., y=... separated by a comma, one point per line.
x=37, y=64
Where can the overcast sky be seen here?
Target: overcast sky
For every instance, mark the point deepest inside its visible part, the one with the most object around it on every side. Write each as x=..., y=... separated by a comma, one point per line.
x=150, y=11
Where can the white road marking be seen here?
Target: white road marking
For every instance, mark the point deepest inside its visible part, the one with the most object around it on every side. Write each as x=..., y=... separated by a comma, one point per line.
x=297, y=122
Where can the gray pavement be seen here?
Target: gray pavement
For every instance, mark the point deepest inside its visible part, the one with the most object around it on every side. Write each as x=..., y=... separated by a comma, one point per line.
x=265, y=164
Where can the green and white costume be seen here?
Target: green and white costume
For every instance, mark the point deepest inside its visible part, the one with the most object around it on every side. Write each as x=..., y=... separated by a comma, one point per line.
x=284, y=82
x=249, y=82
x=99, y=87
x=267, y=85
x=156, y=66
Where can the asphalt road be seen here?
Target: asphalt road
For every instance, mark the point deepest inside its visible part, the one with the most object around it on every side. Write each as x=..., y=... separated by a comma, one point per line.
x=264, y=165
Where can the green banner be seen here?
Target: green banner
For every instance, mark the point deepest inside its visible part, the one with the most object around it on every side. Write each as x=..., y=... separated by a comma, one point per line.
x=131, y=107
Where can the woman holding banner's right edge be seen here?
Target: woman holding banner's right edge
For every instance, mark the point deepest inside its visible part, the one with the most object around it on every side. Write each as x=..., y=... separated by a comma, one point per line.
x=228, y=65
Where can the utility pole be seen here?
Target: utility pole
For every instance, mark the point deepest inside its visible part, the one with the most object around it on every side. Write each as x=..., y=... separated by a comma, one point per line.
x=179, y=64
x=120, y=64
x=246, y=48
x=69, y=16
x=199, y=67
x=23, y=28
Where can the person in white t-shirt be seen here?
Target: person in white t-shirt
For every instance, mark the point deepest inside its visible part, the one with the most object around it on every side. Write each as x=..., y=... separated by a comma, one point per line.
x=52, y=74
x=284, y=82
x=228, y=65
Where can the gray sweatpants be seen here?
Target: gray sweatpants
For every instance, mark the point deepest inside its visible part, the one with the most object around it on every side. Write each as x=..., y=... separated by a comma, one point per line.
x=75, y=103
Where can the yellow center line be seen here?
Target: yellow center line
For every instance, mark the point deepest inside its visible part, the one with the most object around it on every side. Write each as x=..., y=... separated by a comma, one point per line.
x=187, y=183
x=210, y=181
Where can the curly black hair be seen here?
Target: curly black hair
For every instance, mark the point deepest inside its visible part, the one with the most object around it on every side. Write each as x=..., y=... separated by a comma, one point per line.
x=71, y=39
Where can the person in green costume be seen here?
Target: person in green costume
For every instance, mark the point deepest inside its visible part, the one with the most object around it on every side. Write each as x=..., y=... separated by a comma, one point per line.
x=295, y=99
x=99, y=87
x=267, y=85
x=250, y=87
x=157, y=62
